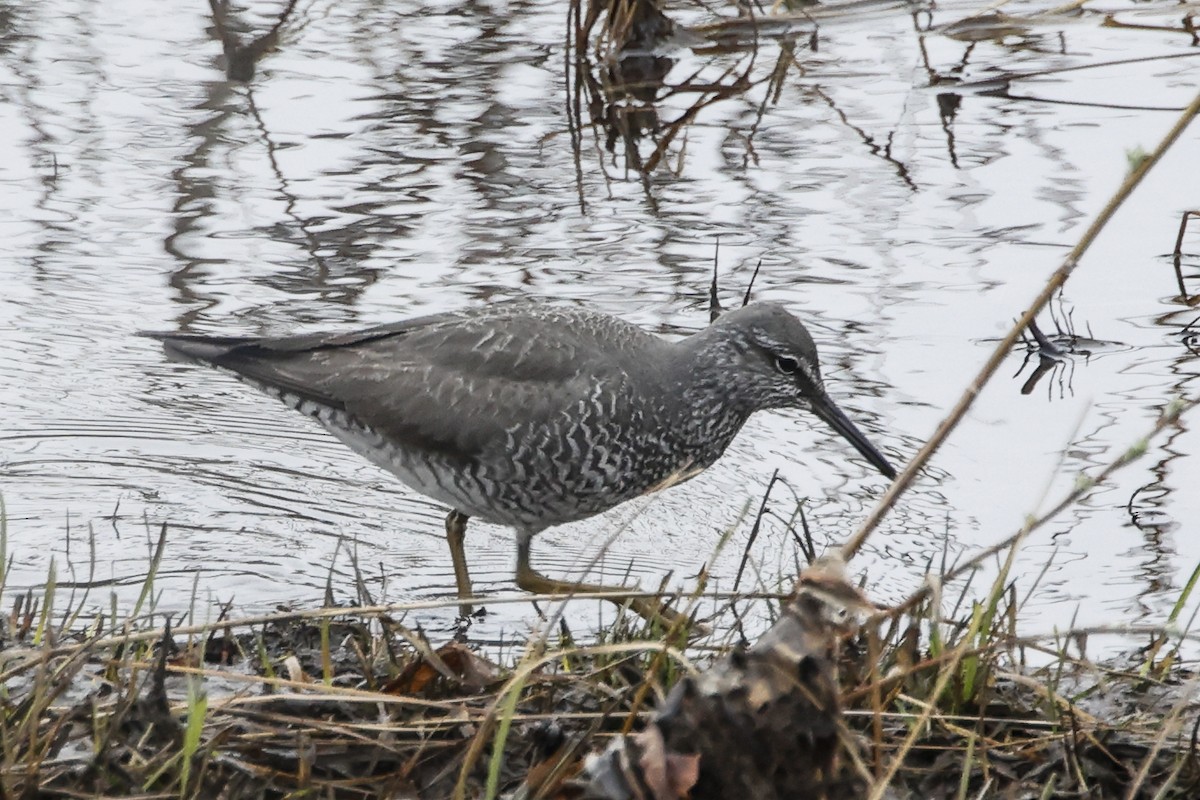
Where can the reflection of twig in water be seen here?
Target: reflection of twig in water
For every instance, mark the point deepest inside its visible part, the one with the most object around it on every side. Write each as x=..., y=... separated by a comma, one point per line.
x=984, y=83
x=1064, y=368
x=624, y=99
x=1055, y=355
x=1188, y=27
x=1053, y=284
x=948, y=102
x=291, y=201
x=242, y=59
x=1190, y=336
x=884, y=153
x=1157, y=494
x=1177, y=258
x=1003, y=93
x=774, y=90
x=717, y=92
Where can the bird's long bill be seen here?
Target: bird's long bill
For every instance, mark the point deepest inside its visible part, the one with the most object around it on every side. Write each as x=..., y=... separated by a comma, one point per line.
x=824, y=408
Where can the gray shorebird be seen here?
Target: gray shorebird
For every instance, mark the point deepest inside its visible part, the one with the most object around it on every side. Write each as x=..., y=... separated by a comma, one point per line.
x=531, y=415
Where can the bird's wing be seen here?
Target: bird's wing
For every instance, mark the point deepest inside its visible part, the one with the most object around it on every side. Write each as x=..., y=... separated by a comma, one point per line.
x=454, y=384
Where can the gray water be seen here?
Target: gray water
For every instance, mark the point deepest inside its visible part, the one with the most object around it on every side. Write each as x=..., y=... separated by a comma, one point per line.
x=394, y=159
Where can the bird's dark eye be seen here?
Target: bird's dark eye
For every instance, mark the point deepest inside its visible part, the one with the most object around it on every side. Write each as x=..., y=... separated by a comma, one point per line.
x=786, y=365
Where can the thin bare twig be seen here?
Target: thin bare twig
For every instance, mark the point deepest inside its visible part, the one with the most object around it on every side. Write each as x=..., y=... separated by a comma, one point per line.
x=909, y=474
x=1083, y=485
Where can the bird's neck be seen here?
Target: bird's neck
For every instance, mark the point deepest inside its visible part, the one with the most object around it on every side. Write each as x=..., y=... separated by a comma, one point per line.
x=714, y=409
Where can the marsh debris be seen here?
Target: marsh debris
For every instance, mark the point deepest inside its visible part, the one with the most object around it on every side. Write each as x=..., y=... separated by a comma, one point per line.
x=350, y=703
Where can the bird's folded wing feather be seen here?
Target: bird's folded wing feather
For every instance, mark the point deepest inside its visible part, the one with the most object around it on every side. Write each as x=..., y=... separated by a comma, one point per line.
x=444, y=384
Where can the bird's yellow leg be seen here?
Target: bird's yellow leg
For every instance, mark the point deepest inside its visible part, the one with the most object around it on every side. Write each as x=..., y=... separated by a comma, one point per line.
x=529, y=579
x=456, y=534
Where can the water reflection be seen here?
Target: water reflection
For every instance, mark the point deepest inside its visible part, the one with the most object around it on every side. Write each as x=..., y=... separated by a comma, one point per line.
x=1177, y=258
x=241, y=57
x=1058, y=354
x=373, y=161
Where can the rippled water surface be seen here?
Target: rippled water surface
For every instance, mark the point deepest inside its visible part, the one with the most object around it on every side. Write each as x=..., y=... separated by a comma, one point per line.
x=907, y=187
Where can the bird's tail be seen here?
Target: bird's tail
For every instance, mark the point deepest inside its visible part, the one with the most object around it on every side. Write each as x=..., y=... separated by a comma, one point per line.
x=192, y=348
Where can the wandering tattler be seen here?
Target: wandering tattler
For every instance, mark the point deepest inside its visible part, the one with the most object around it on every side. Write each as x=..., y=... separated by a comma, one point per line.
x=532, y=415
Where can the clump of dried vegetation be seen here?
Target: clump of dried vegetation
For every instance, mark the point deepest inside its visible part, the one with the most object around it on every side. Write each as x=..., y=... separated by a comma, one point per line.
x=837, y=699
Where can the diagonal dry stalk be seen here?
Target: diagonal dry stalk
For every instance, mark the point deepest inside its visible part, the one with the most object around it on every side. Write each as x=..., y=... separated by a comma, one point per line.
x=1083, y=485
x=18, y=660
x=951, y=660
x=1057, y=279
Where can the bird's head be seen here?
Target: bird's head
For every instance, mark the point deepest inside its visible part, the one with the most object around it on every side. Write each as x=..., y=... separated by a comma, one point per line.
x=772, y=358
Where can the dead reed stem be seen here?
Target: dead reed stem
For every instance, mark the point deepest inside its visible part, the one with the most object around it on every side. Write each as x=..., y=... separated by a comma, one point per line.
x=950, y=422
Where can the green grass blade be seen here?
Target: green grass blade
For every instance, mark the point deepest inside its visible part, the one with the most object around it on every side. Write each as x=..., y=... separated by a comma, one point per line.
x=155, y=561
x=47, y=602
x=502, y=728
x=1177, y=609
x=197, y=711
